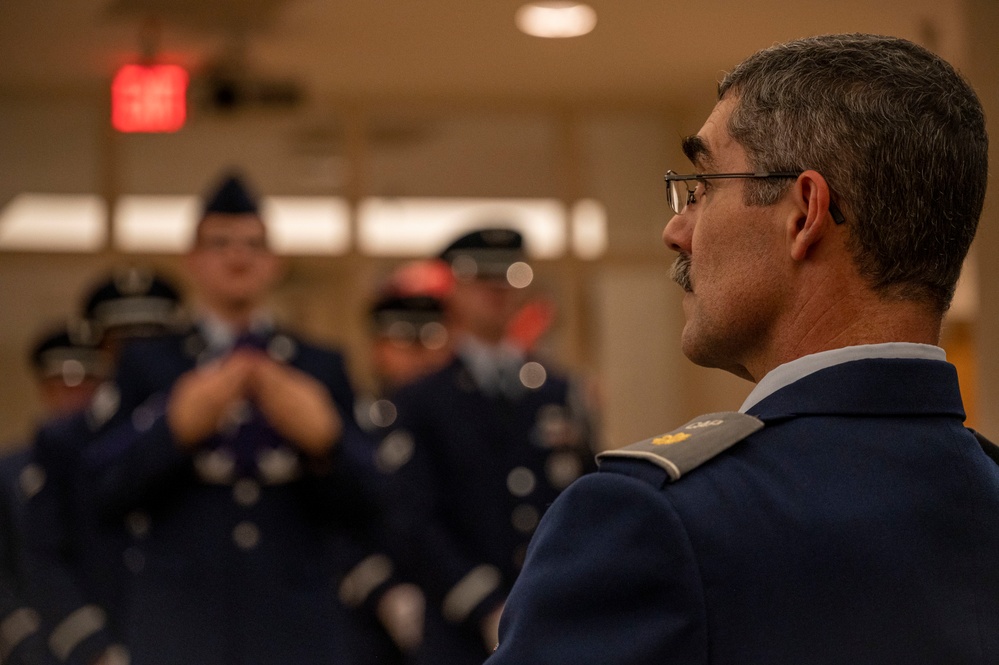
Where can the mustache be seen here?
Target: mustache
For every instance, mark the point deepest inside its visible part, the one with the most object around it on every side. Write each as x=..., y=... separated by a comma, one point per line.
x=679, y=272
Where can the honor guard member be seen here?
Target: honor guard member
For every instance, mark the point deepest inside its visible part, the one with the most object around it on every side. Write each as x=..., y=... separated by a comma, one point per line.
x=408, y=340
x=479, y=450
x=844, y=514
x=68, y=366
x=238, y=453
x=76, y=573
x=408, y=332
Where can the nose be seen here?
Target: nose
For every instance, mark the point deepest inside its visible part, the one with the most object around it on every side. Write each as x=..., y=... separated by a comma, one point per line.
x=677, y=232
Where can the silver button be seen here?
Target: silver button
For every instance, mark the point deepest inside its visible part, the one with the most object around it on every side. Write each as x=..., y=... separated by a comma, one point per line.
x=382, y=413
x=246, y=535
x=281, y=348
x=104, y=405
x=394, y=451
x=215, y=466
x=138, y=523
x=278, y=466
x=562, y=469
x=31, y=480
x=525, y=518
x=246, y=492
x=521, y=481
x=533, y=375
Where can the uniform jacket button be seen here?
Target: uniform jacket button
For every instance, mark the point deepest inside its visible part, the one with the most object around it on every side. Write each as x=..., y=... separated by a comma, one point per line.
x=246, y=535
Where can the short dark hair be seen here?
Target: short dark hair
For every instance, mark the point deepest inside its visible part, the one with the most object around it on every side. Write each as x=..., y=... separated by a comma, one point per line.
x=899, y=136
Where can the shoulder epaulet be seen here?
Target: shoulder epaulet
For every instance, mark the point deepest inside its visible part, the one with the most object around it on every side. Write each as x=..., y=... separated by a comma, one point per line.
x=692, y=444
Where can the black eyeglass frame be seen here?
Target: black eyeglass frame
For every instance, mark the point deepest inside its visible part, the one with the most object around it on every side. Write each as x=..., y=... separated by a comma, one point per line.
x=673, y=176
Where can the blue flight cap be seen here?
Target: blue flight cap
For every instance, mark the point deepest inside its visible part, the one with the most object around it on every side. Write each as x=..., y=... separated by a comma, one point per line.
x=231, y=197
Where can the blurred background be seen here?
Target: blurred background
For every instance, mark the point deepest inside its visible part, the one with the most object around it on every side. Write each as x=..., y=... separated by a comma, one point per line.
x=376, y=131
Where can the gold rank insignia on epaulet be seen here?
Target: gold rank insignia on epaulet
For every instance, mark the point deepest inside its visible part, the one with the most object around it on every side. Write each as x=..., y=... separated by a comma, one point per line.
x=691, y=445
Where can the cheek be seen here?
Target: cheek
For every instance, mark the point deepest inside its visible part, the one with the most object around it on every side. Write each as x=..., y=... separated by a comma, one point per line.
x=736, y=270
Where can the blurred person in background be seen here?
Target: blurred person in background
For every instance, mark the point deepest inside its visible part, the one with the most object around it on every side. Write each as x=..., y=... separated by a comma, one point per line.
x=408, y=340
x=408, y=333
x=232, y=455
x=67, y=365
x=478, y=450
x=75, y=569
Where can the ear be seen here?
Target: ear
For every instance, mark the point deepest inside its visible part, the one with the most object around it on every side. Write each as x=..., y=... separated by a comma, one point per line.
x=811, y=219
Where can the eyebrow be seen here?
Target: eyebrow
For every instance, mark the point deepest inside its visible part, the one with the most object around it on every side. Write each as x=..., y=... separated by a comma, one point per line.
x=697, y=151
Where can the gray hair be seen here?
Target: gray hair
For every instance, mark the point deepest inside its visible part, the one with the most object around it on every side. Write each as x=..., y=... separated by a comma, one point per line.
x=899, y=136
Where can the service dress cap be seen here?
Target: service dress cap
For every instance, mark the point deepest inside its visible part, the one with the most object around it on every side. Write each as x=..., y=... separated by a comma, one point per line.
x=485, y=253
x=411, y=298
x=70, y=352
x=133, y=297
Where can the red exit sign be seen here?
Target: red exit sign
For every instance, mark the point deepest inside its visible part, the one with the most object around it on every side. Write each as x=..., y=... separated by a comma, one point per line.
x=149, y=98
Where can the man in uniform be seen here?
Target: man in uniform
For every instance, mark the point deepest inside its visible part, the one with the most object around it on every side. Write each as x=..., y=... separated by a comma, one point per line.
x=74, y=560
x=68, y=365
x=408, y=340
x=480, y=448
x=232, y=454
x=845, y=514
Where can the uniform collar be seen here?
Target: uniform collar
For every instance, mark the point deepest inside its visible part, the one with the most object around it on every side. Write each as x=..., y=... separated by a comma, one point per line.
x=868, y=387
x=219, y=335
x=490, y=365
x=790, y=372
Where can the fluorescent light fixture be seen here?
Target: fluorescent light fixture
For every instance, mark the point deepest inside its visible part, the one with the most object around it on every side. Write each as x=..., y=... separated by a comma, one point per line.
x=425, y=226
x=54, y=222
x=307, y=225
x=556, y=19
x=589, y=229
x=297, y=225
x=156, y=224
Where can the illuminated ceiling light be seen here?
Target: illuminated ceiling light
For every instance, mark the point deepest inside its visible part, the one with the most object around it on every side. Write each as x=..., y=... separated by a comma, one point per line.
x=54, y=223
x=401, y=226
x=156, y=224
x=302, y=225
x=589, y=229
x=295, y=225
x=556, y=19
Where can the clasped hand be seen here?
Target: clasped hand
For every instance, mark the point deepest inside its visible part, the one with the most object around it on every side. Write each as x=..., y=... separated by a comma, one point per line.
x=296, y=405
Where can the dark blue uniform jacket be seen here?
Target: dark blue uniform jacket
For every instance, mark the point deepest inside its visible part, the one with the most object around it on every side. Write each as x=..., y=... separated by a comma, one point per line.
x=474, y=472
x=229, y=549
x=859, y=526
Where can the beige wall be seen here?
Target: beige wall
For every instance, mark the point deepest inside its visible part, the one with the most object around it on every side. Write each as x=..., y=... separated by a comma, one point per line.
x=982, y=66
x=619, y=317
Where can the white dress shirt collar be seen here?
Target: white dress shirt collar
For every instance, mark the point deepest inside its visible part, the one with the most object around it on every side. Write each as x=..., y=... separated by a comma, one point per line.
x=788, y=373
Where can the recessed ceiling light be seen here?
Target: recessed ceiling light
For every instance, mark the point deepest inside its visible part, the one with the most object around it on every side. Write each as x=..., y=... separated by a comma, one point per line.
x=556, y=19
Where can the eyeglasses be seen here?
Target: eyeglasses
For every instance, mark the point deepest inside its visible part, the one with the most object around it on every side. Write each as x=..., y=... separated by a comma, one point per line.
x=679, y=194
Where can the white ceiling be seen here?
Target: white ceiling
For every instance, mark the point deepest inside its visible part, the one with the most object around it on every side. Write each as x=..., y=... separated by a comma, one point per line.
x=642, y=51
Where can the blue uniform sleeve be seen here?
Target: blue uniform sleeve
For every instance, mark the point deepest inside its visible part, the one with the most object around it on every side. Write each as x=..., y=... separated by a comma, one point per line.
x=611, y=557
x=429, y=551
x=54, y=581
